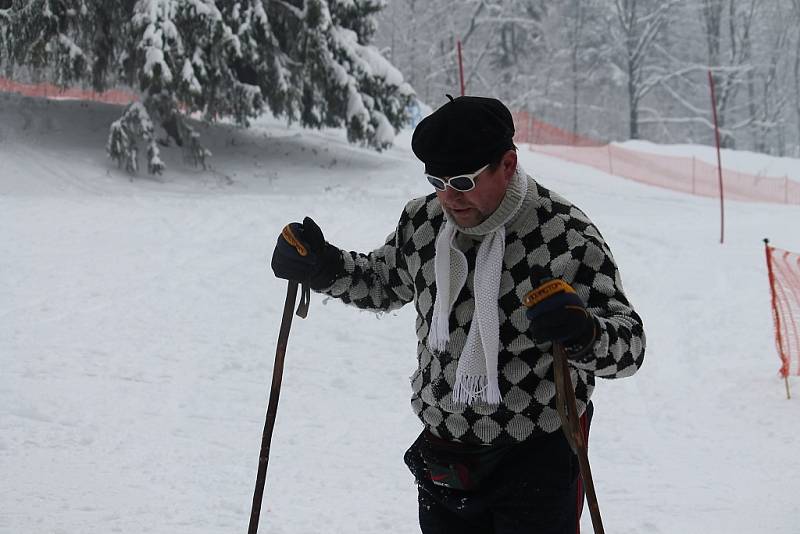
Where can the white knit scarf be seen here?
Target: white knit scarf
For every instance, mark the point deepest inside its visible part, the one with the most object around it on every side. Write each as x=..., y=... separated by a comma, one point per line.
x=476, y=373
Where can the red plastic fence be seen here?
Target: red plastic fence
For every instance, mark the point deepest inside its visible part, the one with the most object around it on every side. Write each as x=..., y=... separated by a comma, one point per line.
x=47, y=90
x=535, y=132
x=784, y=279
x=685, y=174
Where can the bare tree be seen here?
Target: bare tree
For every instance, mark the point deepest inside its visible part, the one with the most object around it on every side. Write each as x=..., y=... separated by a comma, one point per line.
x=639, y=24
x=728, y=66
x=796, y=69
x=577, y=63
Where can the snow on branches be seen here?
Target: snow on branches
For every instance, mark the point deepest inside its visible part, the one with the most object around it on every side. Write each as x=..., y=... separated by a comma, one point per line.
x=122, y=144
x=305, y=60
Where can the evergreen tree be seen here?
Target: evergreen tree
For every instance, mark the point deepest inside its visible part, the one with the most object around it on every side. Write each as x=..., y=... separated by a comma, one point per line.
x=345, y=80
x=304, y=60
x=5, y=18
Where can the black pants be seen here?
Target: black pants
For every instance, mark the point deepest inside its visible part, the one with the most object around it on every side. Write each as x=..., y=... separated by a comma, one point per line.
x=533, y=490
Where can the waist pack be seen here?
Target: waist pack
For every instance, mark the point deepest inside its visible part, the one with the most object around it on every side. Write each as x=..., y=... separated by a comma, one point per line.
x=453, y=465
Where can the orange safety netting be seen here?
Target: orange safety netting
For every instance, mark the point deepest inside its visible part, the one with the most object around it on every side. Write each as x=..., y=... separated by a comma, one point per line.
x=686, y=174
x=784, y=278
x=47, y=90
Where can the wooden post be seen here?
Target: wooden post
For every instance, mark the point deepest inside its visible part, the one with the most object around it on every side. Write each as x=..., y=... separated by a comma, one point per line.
x=610, y=164
x=694, y=164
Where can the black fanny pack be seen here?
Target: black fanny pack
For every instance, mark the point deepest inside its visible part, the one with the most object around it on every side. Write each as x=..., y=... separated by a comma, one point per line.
x=453, y=465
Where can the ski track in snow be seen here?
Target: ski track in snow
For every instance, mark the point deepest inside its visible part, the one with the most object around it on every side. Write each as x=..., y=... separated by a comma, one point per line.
x=138, y=321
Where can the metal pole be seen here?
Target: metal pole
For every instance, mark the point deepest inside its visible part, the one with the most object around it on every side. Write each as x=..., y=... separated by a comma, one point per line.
x=272, y=408
x=568, y=412
x=719, y=160
x=461, y=68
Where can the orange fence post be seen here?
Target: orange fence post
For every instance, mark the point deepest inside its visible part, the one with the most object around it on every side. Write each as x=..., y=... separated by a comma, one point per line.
x=719, y=161
x=460, y=68
x=786, y=189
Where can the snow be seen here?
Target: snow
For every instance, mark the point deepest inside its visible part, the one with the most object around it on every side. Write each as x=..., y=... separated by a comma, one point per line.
x=366, y=58
x=740, y=160
x=189, y=78
x=73, y=49
x=155, y=57
x=138, y=321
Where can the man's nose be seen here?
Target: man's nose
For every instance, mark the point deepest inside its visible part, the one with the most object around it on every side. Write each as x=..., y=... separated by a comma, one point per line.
x=449, y=193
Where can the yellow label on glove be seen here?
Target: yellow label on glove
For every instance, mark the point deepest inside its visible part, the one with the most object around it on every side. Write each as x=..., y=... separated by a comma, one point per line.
x=546, y=290
x=290, y=238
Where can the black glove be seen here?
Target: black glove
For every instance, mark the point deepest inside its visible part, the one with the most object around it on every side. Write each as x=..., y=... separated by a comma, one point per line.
x=303, y=255
x=557, y=313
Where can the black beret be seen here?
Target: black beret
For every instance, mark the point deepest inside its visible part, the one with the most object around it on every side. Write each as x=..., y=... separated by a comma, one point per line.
x=463, y=135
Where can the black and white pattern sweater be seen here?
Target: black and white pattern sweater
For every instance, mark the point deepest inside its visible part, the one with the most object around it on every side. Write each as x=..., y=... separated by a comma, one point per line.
x=548, y=235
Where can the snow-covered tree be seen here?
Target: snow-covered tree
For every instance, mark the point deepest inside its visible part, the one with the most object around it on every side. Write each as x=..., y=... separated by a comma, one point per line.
x=343, y=81
x=46, y=34
x=5, y=18
x=304, y=60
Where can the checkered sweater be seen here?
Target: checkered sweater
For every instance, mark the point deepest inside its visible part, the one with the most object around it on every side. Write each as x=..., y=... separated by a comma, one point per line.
x=548, y=236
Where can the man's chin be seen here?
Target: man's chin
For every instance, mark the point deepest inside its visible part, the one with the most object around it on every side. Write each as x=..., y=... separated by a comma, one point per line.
x=465, y=218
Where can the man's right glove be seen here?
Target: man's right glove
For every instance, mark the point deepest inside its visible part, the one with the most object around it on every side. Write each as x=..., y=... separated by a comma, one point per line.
x=302, y=254
x=557, y=313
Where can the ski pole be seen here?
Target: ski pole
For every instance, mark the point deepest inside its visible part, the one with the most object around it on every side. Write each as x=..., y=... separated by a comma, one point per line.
x=274, y=394
x=568, y=412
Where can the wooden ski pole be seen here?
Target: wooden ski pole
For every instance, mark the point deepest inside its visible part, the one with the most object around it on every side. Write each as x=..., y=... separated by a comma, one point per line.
x=568, y=412
x=274, y=394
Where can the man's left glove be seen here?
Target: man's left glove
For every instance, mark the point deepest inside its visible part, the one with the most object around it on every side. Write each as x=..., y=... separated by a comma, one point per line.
x=302, y=254
x=557, y=313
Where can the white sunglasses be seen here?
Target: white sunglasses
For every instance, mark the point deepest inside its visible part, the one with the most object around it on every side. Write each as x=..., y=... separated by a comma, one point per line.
x=462, y=182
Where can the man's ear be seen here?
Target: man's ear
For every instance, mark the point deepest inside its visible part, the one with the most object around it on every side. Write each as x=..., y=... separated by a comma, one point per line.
x=509, y=164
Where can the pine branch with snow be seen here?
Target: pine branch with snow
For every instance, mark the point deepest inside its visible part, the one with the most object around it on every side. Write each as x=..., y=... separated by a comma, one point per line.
x=346, y=81
x=124, y=134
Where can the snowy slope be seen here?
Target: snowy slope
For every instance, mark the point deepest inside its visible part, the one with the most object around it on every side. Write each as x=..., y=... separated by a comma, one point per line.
x=138, y=321
x=741, y=160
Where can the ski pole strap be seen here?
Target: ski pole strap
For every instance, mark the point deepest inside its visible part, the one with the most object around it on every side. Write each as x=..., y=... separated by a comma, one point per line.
x=305, y=300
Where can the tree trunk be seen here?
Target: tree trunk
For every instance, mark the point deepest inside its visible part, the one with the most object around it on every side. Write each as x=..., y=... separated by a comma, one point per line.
x=633, y=103
x=797, y=90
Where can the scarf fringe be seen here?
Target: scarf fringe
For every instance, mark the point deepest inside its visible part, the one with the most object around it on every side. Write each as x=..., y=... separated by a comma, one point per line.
x=468, y=389
x=439, y=334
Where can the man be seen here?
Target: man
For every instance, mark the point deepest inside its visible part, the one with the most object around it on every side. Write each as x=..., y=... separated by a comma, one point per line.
x=499, y=269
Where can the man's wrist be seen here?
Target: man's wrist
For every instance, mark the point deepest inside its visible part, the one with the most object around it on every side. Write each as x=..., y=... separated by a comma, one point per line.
x=580, y=346
x=331, y=265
